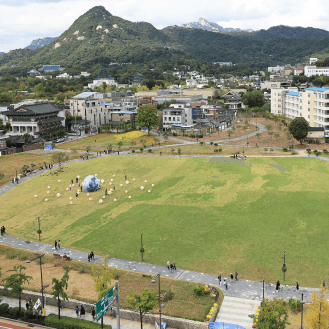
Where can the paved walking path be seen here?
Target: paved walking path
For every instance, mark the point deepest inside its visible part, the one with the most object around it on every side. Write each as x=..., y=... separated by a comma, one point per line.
x=124, y=324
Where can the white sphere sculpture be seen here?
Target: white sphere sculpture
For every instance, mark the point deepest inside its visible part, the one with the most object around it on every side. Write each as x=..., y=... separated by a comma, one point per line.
x=152, y=185
x=129, y=196
x=102, y=181
x=127, y=182
x=142, y=187
x=90, y=199
x=48, y=192
x=103, y=196
x=114, y=200
x=87, y=194
x=126, y=191
x=67, y=189
x=58, y=195
x=121, y=185
x=48, y=186
x=113, y=175
x=133, y=178
x=78, y=176
x=35, y=195
x=95, y=175
x=145, y=181
x=72, y=185
x=70, y=198
x=111, y=179
x=110, y=192
x=100, y=201
x=46, y=199
x=59, y=181
x=149, y=191
x=71, y=202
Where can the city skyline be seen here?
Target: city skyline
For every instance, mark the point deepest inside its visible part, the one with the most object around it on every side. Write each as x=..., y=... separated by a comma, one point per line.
x=26, y=20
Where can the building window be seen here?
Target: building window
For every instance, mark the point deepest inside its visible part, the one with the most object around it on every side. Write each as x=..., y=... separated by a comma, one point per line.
x=178, y=119
x=173, y=119
x=165, y=118
x=169, y=118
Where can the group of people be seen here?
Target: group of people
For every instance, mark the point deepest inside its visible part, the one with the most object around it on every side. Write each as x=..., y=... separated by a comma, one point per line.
x=83, y=157
x=80, y=312
x=57, y=244
x=91, y=256
x=3, y=230
x=232, y=277
x=171, y=266
x=239, y=156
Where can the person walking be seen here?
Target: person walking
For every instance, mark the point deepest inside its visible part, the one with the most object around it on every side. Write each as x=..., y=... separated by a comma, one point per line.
x=125, y=177
x=70, y=187
x=82, y=312
x=297, y=286
x=71, y=181
x=171, y=267
x=168, y=264
x=77, y=310
x=219, y=279
x=231, y=277
x=324, y=283
x=277, y=287
x=225, y=284
x=175, y=266
x=113, y=187
x=93, y=313
x=55, y=244
x=236, y=275
x=105, y=191
x=81, y=188
x=76, y=179
x=59, y=244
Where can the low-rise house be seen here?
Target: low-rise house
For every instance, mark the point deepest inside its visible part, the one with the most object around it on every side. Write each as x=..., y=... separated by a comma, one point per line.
x=81, y=127
x=315, y=133
x=177, y=115
x=103, y=78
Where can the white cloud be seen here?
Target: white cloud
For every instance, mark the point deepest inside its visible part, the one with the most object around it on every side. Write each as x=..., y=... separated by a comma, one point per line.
x=25, y=20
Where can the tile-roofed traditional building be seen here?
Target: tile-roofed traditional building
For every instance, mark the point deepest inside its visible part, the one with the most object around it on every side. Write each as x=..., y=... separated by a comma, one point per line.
x=137, y=78
x=51, y=68
x=36, y=119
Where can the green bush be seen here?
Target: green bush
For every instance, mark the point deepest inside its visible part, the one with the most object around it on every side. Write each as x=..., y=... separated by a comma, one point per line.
x=4, y=309
x=216, y=144
x=132, y=151
x=285, y=149
x=198, y=290
x=292, y=304
x=201, y=143
x=211, y=143
x=299, y=305
x=220, y=150
x=42, y=147
x=14, y=313
x=149, y=150
x=215, y=150
x=169, y=296
x=71, y=323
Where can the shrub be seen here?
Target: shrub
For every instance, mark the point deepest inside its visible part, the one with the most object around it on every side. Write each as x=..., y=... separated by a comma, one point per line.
x=132, y=151
x=201, y=143
x=215, y=150
x=149, y=150
x=42, y=147
x=292, y=304
x=220, y=150
x=211, y=143
x=169, y=296
x=198, y=290
x=192, y=136
x=299, y=305
x=71, y=323
x=200, y=136
x=174, y=134
x=4, y=309
x=325, y=151
x=53, y=145
x=14, y=313
x=216, y=144
x=285, y=149
x=74, y=151
x=141, y=149
x=116, y=274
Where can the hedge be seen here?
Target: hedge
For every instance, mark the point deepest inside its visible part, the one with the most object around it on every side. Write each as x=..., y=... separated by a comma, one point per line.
x=71, y=323
x=51, y=320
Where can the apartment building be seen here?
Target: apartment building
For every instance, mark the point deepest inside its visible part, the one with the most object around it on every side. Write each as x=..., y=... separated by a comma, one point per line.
x=177, y=115
x=313, y=70
x=89, y=108
x=312, y=104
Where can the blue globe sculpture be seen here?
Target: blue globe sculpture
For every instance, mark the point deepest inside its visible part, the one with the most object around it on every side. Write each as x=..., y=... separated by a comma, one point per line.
x=91, y=183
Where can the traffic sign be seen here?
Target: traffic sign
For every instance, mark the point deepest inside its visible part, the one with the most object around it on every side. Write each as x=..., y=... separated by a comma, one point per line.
x=103, y=305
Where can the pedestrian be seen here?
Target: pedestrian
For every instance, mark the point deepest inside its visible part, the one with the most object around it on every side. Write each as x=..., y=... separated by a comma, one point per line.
x=106, y=191
x=277, y=287
x=71, y=181
x=70, y=187
x=225, y=284
x=87, y=157
x=236, y=275
x=171, y=267
x=82, y=311
x=27, y=306
x=81, y=188
x=79, y=182
x=55, y=244
x=59, y=244
x=175, y=265
x=125, y=177
x=297, y=286
x=76, y=179
x=168, y=264
x=231, y=277
x=93, y=313
x=111, y=312
x=92, y=255
x=113, y=187
x=89, y=257
x=118, y=152
x=1, y=231
x=76, y=194
x=77, y=310
x=324, y=283
x=219, y=279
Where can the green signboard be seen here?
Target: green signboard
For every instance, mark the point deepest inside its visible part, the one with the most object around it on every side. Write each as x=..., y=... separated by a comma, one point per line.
x=104, y=303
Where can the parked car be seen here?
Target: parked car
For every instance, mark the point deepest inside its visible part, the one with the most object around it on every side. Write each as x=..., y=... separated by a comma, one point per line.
x=60, y=140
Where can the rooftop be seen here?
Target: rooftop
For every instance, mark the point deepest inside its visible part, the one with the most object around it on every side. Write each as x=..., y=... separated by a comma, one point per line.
x=84, y=95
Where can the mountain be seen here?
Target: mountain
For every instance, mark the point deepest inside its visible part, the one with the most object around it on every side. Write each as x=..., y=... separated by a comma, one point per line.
x=283, y=31
x=98, y=37
x=203, y=24
x=39, y=43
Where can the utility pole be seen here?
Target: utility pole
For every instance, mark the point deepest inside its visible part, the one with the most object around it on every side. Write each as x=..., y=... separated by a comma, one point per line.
x=118, y=304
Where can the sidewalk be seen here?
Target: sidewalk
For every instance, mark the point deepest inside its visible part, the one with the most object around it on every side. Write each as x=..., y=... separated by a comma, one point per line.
x=124, y=324
x=241, y=289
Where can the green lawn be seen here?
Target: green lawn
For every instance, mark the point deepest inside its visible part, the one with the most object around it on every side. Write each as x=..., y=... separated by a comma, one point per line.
x=212, y=215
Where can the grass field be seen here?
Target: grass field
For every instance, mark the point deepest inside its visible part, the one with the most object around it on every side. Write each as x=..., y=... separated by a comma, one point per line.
x=211, y=215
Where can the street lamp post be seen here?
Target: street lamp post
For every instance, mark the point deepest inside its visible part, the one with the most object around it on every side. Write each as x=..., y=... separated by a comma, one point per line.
x=302, y=302
x=243, y=150
x=160, y=306
x=284, y=268
x=142, y=249
x=16, y=177
x=42, y=288
x=39, y=230
x=263, y=291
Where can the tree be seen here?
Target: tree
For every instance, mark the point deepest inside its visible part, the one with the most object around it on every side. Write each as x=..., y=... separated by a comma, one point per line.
x=59, y=287
x=5, y=127
x=102, y=276
x=26, y=137
x=120, y=143
x=318, y=313
x=144, y=302
x=147, y=116
x=273, y=314
x=59, y=157
x=15, y=281
x=253, y=99
x=299, y=128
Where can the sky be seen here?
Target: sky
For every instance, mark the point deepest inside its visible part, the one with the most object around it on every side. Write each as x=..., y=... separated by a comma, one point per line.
x=22, y=21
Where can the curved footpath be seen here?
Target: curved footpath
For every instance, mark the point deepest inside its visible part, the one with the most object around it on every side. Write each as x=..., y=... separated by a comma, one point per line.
x=241, y=298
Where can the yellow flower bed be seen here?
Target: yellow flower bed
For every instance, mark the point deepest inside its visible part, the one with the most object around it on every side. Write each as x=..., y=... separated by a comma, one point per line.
x=131, y=135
